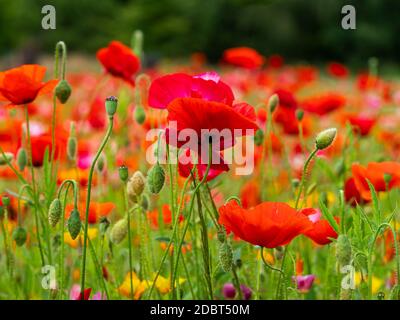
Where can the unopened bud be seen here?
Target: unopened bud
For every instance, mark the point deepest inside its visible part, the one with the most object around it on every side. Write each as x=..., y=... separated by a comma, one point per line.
x=226, y=256
x=63, y=91
x=155, y=178
x=136, y=184
x=19, y=236
x=74, y=224
x=299, y=114
x=55, y=212
x=273, y=102
x=221, y=235
x=123, y=173
x=111, y=105
x=325, y=138
x=140, y=115
x=343, y=250
x=22, y=159
x=72, y=148
x=119, y=231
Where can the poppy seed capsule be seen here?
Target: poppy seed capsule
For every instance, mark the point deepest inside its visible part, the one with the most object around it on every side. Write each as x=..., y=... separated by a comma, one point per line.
x=226, y=256
x=123, y=173
x=136, y=184
x=74, y=224
x=55, y=212
x=343, y=250
x=22, y=159
x=6, y=158
x=19, y=236
x=325, y=138
x=155, y=178
x=111, y=105
x=71, y=148
x=273, y=102
x=119, y=231
x=140, y=115
x=63, y=91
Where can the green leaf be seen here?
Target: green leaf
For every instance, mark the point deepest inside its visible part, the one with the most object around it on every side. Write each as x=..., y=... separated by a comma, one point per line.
x=328, y=216
x=375, y=202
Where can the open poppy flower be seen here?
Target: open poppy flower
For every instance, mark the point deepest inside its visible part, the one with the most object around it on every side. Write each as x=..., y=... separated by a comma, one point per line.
x=96, y=210
x=23, y=84
x=243, y=57
x=337, y=70
x=119, y=61
x=322, y=232
x=39, y=145
x=351, y=193
x=375, y=172
x=269, y=224
x=324, y=103
x=361, y=124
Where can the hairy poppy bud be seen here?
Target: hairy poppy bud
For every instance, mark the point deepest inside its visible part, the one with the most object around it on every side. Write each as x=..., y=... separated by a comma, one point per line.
x=123, y=173
x=6, y=158
x=119, y=231
x=259, y=137
x=226, y=256
x=140, y=115
x=55, y=212
x=22, y=159
x=136, y=184
x=19, y=236
x=111, y=105
x=299, y=114
x=101, y=163
x=72, y=148
x=155, y=178
x=74, y=224
x=325, y=138
x=104, y=223
x=63, y=91
x=343, y=250
x=6, y=201
x=273, y=102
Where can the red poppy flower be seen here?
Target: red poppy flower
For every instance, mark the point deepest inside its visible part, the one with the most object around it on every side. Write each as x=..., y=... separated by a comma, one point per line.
x=270, y=224
x=86, y=294
x=322, y=231
x=337, y=70
x=39, y=145
x=96, y=119
x=244, y=57
x=96, y=210
x=362, y=124
x=375, y=172
x=250, y=194
x=351, y=193
x=119, y=61
x=275, y=61
x=324, y=103
x=23, y=84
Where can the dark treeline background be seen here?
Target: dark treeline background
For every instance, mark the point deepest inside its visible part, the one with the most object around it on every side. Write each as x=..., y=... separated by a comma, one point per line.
x=298, y=29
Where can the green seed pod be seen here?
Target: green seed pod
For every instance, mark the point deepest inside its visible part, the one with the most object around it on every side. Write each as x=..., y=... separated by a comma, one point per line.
x=6, y=201
x=111, y=105
x=55, y=212
x=22, y=159
x=63, y=91
x=6, y=158
x=119, y=231
x=123, y=173
x=273, y=102
x=101, y=163
x=104, y=223
x=259, y=137
x=155, y=178
x=226, y=256
x=343, y=250
x=74, y=224
x=140, y=115
x=19, y=235
x=325, y=138
x=136, y=184
x=72, y=148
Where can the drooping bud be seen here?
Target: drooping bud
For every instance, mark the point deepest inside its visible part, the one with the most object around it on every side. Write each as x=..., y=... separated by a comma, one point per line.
x=140, y=114
x=5, y=200
x=101, y=163
x=111, y=105
x=343, y=250
x=299, y=114
x=63, y=91
x=226, y=256
x=55, y=212
x=19, y=236
x=155, y=178
x=123, y=173
x=273, y=102
x=119, y=231
x=259, y=137
x=325, y=138
x=72, y=148
x=136, y=184
x=74, y=224
x=6, y=158
x=22, y=159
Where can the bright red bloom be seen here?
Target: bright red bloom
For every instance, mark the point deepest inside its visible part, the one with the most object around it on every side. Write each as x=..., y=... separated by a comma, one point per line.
x=244, y=57
x=119, y=61
x=250, y=194
x=286, y=99
x=23, y=84
x=96, y=117
x=324, y=103
x=351, y=193
x=275, y=61
x=322, y=231
x=86, y=294
x=362, y=124
x=96, y=210
x=39, y=145
x=270, y=224
x=337, y=70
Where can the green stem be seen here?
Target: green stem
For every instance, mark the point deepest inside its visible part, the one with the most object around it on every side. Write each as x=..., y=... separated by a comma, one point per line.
x=129, y=241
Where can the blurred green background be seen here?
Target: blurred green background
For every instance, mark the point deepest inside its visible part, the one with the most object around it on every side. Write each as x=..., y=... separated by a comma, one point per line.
x=307, y=30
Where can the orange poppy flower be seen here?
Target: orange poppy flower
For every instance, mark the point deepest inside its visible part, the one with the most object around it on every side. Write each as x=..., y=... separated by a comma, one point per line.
x=270, y=224
x=23, y=84
x=244, y=57
x=153, y=216
x=322, y=232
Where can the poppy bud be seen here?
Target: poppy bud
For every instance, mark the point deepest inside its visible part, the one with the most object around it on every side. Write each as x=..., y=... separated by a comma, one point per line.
x=111, y=105
x=63, y=91
x=343, y=250
x=6, y=201
x=225, y=256
x=119, y=231
x=19, y=236
x=140, y=115
x=136, y=184
x=101, y=163
x=71, y=148
x=6, y=158
x=155, y=178
x=299, y=114
x=55, y=212
x=123, y=173
x=273, y=102
x=325, y=138
x=22, y=159
x=137, y=43
x=104, y=223
x=259, y=137
x=74, y=224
